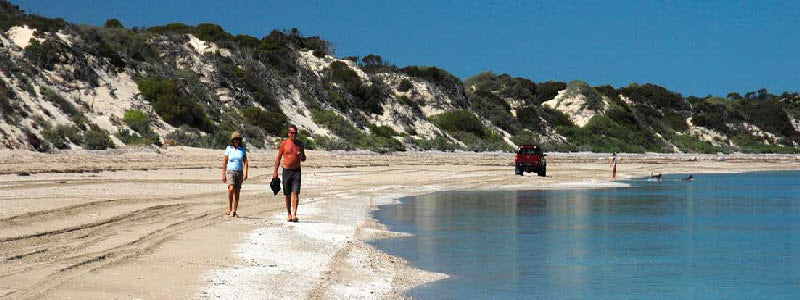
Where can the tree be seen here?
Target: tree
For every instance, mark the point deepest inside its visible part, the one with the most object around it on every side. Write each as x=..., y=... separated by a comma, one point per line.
x=762, y=94
x=548, y=90
x=113, y=23
x=372, y=60
x=734, y=96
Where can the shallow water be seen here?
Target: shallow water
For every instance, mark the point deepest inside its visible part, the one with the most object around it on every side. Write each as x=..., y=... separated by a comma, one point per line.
x=720, y=236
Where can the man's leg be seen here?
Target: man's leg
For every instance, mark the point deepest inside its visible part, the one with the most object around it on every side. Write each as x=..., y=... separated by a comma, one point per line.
x=295, y=200
x=289, y=207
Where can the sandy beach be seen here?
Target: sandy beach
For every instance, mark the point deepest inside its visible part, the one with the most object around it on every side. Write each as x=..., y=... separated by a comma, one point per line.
x=149, y=223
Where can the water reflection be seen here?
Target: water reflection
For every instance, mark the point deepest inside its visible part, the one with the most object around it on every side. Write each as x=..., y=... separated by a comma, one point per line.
x=720, y=236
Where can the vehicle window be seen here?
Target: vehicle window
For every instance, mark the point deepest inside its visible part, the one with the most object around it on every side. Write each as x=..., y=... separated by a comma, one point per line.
x=530, y=151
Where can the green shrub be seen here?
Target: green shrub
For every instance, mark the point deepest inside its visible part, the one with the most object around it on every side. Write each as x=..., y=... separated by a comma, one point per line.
x=435, y=75
x=71, y=132
x=656, y=96
x=62, y=104
x=178, y=28
x=43, y=24
x=211, y=32
x=336, y=124
x=467, y=128
x=132, y=138
x=270, y=121
x=54, y=138
x=120, y=46
x=44, y=54
x=349, y=137
x=548, y=90
x=337, y=100
x=304, y=138
x=749, y=143
x=342, y=74
x=143, y=134
x=767, y=114
x=192, y=137
x=487, y=95
x=61, y=134
x=603, y=134
x=438, y=143
x=691, y=143
x=372, y=98
x=137, y=120
x=525, y=138
x=529, y=117
x=9, y=15
x=8, y=105
x=405, y=85
x=492, y=142
x=35, y=142
x=675, y=121
x=97, y=139
x=332, y=143
x=594, y=101
x=385, y=145
x=113, y=23
x=382, y=131
x=172, y=106
x=460, y=120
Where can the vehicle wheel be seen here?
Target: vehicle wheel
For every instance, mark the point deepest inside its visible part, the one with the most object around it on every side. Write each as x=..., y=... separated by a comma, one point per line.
x=543, y=173
x=517, y=170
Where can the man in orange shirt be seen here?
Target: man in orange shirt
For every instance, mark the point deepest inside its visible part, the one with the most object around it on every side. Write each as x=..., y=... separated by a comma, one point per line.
x=293, y=153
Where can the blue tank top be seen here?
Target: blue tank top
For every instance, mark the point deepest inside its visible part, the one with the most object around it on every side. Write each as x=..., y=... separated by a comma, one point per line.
x=236, y=157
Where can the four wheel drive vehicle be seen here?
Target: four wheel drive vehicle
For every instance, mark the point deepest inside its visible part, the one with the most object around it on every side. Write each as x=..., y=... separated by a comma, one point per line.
x=530, y=158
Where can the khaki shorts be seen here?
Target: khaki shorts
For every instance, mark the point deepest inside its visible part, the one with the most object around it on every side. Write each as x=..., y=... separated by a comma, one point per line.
x=235, y=178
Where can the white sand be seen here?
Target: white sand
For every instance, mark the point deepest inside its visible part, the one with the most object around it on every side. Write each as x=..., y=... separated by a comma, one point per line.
x=21, y=36
x=160, y=232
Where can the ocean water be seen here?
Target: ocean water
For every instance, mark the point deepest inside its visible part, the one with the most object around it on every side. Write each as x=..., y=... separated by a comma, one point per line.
x=721, y=236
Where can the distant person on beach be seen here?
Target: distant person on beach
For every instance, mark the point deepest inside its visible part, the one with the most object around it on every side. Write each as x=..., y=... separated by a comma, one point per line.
x=293, y=153
x=234, y=171
x=690, y=178
x=613, y=165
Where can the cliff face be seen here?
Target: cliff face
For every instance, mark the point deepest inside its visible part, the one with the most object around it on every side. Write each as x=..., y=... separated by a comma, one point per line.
x=66, y=86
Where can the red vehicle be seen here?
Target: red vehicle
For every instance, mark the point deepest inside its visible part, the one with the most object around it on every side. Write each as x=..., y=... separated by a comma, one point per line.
x=530, y=158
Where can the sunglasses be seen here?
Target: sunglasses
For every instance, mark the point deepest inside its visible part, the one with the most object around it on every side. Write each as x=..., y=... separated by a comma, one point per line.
x=292, y=132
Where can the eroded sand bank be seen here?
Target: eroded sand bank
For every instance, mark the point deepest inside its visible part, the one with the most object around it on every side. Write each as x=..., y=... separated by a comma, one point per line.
x=147, y=223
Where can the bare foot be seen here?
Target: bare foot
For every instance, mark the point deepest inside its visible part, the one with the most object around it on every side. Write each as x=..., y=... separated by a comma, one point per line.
x=228, y=212
x=295, y=219
x=234, y=214
x=289, y=219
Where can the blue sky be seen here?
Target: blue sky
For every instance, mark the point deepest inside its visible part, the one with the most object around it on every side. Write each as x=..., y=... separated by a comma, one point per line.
x=695, y=47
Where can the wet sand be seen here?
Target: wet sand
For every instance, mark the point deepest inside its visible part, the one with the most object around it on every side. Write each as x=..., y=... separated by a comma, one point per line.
x=150, y=223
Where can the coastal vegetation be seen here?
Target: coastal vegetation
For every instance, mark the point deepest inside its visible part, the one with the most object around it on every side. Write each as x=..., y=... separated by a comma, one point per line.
x=231, y=82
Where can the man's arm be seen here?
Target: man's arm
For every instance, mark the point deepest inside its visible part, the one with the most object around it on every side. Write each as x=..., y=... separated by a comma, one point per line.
x=278, y=161
x=302, y=151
